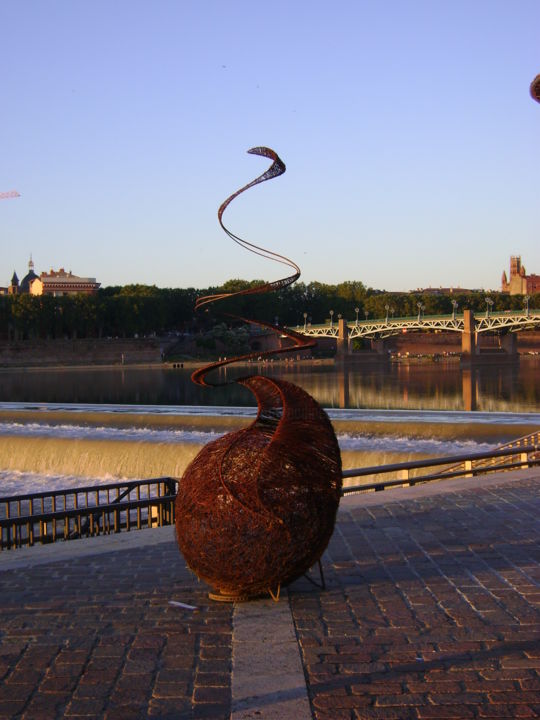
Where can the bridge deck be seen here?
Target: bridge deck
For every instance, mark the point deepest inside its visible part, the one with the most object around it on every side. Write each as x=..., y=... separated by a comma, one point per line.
x=512, y=321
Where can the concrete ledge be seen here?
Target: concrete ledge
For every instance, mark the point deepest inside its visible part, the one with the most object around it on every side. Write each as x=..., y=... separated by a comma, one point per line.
x=62, y=551
x=268, y=680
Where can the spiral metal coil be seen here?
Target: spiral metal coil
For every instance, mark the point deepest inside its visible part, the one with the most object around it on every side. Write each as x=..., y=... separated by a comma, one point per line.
x=300, y=341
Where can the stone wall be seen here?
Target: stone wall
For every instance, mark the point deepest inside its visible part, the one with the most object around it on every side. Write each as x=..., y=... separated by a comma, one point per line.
x=33, y=353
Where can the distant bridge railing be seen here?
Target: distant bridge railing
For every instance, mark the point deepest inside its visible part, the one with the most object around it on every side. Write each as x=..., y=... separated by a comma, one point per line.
x=512, y=321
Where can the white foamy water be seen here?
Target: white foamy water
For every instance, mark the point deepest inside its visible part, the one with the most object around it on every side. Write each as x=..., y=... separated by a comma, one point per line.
x=55, y=449
x=14, y=482
x=133, y=434
x=346, y=441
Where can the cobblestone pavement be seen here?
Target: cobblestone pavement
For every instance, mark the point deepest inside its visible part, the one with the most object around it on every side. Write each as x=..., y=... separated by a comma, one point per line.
x=432, y=608
x=96, y=637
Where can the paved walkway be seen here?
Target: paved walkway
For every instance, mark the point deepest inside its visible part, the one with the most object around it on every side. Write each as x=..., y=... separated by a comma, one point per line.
x=432, y=610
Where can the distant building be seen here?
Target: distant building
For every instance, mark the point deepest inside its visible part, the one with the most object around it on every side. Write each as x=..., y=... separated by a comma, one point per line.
x=444, y=291
x=57, y=283
x=11, y=290
x=60, y=283
x=22, y=287
x=519, y=282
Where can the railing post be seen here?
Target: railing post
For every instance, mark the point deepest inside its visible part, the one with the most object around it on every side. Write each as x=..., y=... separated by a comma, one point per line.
x=404, y=475
x=468, y=466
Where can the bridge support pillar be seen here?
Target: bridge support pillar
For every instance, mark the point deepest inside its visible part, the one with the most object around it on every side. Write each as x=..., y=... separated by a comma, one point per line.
x=380, y=346
x=342, y=349
x=509, y=343
x=468, y=337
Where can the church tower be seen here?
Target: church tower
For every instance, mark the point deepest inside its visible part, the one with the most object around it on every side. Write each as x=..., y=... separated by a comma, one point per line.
x=13, y=289
x=515, y=266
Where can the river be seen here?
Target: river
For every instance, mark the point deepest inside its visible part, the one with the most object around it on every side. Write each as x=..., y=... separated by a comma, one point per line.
x=62, y=428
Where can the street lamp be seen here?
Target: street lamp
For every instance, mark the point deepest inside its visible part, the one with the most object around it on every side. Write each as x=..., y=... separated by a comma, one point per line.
x=489, y=304
x=454, y=308
x=526, y=303
x=331, y=319
x=420, y=308
x=392, y=312
x=387, y=308
x=356, y=310
x=305, y=321
x=366, y=314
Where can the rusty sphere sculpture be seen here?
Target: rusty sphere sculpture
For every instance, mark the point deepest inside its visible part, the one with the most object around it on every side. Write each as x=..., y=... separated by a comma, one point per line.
x=256, y=508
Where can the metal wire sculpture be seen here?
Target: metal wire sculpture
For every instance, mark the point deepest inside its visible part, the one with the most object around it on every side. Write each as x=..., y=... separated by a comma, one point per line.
x=256, y=508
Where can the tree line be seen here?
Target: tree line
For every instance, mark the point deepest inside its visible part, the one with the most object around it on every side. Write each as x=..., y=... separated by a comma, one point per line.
x=141, y=310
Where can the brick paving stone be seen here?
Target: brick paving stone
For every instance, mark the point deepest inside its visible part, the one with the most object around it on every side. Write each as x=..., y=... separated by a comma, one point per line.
x=95, y=637
x=45, y=705
x=507, y=711
x=166, y=709
x=335, y=714
x=386, y=713
x=436, y=606
x=11, y=708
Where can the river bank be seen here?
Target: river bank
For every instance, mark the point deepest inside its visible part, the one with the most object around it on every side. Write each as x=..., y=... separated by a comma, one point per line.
x=151, y=351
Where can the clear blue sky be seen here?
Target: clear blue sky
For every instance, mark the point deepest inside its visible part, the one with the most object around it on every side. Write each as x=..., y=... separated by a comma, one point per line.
x=410, y=139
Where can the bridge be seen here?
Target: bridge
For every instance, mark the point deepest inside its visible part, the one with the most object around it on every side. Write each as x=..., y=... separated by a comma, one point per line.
x=506, y=324
x=508, y=321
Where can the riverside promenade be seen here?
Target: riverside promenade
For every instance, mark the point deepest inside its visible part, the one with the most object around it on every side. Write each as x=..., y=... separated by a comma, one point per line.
x=431, y=610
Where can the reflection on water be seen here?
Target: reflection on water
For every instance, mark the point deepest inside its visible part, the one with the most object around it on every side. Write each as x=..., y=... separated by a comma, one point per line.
x=429, y=386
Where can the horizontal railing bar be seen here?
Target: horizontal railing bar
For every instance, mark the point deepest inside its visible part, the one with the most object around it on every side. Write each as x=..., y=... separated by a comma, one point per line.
x=428, y=478
x=85, y=488
x=432, y=462
x=88, y=510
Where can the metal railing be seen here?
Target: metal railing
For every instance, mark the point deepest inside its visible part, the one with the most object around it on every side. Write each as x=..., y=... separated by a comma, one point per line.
x=46, y=517
x=526, y=443
x=458, y=466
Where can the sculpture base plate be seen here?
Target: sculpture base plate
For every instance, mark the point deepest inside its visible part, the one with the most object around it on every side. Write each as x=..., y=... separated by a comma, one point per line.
x=226, y=597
